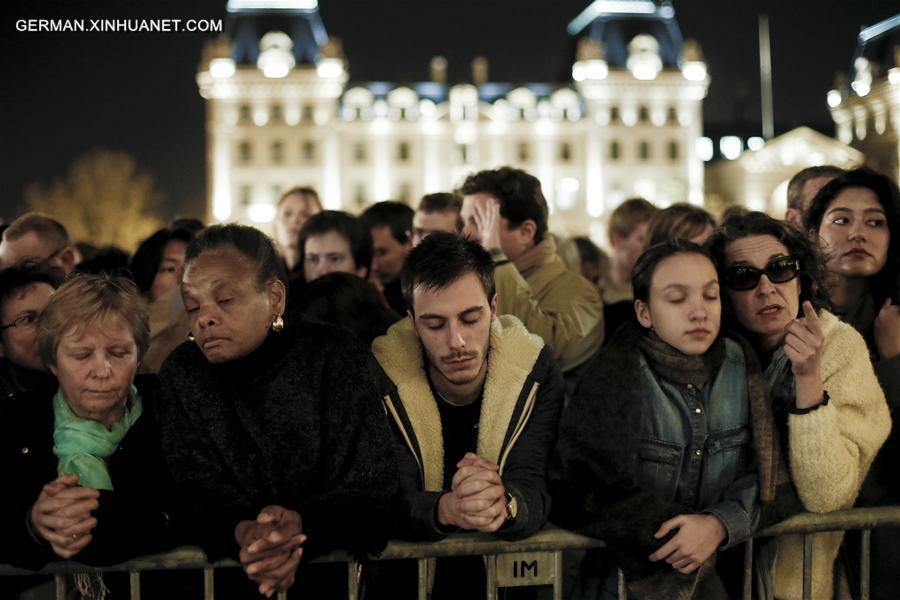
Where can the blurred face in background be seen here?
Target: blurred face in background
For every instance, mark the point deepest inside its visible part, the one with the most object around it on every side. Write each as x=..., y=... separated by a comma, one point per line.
x=18, y=317
x=426, y=223
x=328, y=253
x=389, y=254
x=627, y=249
x=293, y=212
x=171, y=268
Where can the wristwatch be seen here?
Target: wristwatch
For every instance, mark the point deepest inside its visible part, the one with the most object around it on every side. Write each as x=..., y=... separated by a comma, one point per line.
x=512, y=508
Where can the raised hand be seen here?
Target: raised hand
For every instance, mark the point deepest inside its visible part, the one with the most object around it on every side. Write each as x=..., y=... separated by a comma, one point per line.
x=887, y=330
x=803, y=345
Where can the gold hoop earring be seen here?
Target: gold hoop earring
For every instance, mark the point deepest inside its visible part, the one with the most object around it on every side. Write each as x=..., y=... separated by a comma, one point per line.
x=190, y=336
x=278, y=324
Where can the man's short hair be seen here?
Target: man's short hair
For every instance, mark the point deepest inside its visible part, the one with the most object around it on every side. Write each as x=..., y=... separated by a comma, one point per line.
x=46, y=228
x=628, y=215
x=519, y=194
x=440, y=202
x=398, y=217
x=442, y=258
x=798, y=181
x=347, y=226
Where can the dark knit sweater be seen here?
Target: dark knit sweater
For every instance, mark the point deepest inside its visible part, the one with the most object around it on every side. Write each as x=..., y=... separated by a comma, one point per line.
x=297, y=423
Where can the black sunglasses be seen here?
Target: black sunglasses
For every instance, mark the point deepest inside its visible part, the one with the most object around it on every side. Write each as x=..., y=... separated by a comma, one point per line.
x=741, y=278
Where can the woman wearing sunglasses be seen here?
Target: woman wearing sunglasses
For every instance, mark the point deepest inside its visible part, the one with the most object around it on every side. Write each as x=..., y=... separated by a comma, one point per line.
x=830, y=412
x=856, y=219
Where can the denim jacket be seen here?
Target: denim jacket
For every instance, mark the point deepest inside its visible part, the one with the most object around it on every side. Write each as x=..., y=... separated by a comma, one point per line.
x=696, y=445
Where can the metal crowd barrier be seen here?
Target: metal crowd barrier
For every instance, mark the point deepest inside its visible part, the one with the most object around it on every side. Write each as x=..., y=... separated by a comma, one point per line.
x=533, y=561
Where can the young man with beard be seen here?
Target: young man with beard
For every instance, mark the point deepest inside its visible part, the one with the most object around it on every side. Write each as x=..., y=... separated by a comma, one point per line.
x=475, y=404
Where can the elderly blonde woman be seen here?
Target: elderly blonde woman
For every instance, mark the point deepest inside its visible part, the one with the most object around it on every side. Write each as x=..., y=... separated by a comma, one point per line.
x=83, y=467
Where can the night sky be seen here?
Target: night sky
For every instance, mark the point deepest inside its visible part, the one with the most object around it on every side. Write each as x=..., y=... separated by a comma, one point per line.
x=63, y=94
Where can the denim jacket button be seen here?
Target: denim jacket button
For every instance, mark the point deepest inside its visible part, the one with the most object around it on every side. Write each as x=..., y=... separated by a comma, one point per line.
x=698, y=452
x=698, y=410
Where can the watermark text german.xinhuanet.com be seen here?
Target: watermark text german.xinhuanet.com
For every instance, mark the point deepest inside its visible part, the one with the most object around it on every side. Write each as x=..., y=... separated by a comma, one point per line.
x=119, y=25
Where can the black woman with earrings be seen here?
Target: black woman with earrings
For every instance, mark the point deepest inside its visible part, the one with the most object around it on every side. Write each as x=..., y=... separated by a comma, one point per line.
x=272, y=425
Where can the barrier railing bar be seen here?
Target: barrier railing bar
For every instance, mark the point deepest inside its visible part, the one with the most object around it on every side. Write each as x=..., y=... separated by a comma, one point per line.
x=748, y=570
x=558, y=581
x=550, y=540
x=353, y=580
x=491, y=578
x=60, y=586
x=865, y=564
x=807, y=566
x=209, y=584
x=134, y=584
x=423, y=578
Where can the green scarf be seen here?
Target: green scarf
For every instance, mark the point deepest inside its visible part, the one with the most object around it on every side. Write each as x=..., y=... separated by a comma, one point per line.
x=82, y=445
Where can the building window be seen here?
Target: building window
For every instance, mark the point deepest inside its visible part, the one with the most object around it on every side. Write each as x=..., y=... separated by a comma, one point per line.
x=403, y=114
x=308, y=151
x=307, y=112
x=359, y=194
x=615, y=150
x=403, y=151
x=404, y=192
x=245, y=152
x=614, y=114
x=465, y=113
x=244, y=194
x=276, y=114
x=673, y=151
x=359, y=152
x=672, y=116
x=465, y=154
x=565, y=152
x=523, y=152
x=644, y=114
x=644, y=150
x=277, y=152
x=523, y=114
x=245, y=117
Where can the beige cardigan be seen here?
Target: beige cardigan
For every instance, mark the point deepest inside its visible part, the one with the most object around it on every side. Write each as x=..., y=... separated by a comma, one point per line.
x=830, y=452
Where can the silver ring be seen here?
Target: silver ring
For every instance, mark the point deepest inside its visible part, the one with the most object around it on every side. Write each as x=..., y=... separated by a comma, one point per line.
x=74, y=536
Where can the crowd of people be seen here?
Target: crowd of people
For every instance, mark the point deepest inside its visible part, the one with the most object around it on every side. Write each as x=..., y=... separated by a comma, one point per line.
x=414, y=373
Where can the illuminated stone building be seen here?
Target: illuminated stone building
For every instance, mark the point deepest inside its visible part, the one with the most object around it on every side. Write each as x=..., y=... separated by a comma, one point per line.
x=282, y=111
x=866, y=110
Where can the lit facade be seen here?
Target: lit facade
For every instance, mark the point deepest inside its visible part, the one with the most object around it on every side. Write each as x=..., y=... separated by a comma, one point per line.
x=282, y=111
x=866, y=110
x=758, y=178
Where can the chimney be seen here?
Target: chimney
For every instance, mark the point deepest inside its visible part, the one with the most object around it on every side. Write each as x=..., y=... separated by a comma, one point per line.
x=439, y=69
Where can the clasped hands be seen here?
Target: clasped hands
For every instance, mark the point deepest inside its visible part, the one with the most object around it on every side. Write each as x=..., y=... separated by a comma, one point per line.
x=477, y=498
x=62, y=515
x=271, y=548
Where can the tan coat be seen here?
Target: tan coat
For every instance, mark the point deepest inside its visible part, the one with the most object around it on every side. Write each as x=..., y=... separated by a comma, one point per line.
x=830, y=452
x=563, y=308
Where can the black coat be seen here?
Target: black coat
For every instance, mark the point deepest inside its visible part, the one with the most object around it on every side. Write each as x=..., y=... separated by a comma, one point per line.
x=297, y=423
x=138, y=517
